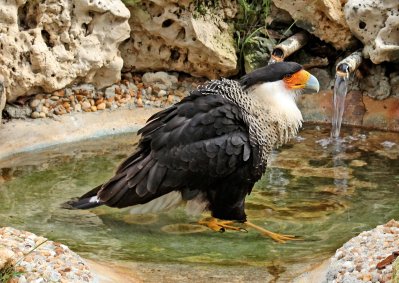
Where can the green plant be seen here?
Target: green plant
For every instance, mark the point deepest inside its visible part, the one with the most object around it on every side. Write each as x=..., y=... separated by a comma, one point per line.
x=250, y=23
x=8, y=271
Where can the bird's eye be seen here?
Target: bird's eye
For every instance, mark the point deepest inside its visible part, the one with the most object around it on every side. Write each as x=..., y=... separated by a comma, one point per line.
x=287, y=76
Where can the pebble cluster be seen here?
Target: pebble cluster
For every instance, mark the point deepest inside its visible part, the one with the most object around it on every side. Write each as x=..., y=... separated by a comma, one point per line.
x=356, y=261
x=152, y=89
x=49, y=262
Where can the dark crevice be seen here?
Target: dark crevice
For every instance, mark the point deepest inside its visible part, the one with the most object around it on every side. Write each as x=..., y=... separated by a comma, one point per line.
x=167, y=23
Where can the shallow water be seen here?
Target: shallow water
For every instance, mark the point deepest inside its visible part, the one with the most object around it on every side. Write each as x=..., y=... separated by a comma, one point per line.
x=314, y=188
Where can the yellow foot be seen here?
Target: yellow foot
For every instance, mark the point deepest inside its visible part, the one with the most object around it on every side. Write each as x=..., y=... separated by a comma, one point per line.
x=219, y=225
x=280, y=238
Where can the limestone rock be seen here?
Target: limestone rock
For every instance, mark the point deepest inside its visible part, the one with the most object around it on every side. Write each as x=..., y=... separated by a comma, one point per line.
x=46, y=45
x=2, y=96
x=324, y=19
x=376, y=24
x=173, y=35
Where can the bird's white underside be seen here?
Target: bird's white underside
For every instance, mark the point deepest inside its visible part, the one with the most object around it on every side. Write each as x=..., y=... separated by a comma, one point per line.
x=279, y=100
x=169, y=201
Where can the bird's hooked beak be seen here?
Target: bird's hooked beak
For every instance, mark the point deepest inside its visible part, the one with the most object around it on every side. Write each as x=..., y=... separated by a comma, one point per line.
x=303, y=81
x=312, y=85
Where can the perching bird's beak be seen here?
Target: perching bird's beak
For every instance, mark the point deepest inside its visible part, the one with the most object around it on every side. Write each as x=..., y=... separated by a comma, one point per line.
x=312, y=85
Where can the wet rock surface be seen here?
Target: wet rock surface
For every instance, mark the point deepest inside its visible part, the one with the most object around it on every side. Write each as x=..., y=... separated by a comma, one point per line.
x=357, y=260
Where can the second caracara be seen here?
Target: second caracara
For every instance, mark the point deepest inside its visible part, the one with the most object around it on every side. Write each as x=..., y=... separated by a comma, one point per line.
x=208, y=150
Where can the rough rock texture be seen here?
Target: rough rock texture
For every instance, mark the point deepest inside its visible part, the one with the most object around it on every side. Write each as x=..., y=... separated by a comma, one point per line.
x=172, y=35
x=356, y=261
x=376, y=24
x=39, y=260
x=395, y=267
x=376, y=84
x=323, y=18
x=46, y=45
x=2, y=96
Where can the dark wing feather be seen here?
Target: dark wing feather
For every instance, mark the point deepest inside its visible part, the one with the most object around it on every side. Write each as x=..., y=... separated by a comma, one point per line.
x=185, y=147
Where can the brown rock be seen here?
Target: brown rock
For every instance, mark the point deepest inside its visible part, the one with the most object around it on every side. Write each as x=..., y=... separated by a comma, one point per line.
x=101, y=106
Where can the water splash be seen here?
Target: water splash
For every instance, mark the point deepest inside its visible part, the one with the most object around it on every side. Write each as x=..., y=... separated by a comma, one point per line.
x=340, y=91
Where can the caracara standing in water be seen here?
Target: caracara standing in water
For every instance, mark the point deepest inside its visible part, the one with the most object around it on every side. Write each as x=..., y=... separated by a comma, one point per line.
x=209, y=149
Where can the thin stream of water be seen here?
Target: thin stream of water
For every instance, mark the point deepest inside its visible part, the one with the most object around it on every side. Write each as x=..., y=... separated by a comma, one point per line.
x=340, y=91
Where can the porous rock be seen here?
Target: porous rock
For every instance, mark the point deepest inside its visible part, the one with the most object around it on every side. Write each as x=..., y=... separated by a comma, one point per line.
x=324, y=19
x=2, y=96
x=176, y=35
x=376, y=24
x=46, y=45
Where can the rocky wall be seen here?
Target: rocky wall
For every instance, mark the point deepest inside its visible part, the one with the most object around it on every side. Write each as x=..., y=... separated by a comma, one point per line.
x=46, y=45
x=179, y=36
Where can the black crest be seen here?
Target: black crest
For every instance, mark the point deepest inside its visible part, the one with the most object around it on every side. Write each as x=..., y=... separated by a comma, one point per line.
x=270, y=73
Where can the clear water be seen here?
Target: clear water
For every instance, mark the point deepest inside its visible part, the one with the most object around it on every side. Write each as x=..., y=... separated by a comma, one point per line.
x=340, y=91
x=310, y=190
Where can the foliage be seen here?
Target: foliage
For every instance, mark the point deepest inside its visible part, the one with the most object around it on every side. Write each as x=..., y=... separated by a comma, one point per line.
x=201, y=7
x=251, y=22
x=131, y=2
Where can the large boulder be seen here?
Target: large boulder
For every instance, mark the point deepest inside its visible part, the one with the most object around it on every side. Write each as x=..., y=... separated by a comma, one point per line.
x=324, y=19
x=376, y=24
x=179, y=36
x=46, y=45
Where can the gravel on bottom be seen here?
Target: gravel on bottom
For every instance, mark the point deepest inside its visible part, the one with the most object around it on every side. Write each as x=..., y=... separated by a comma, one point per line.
x=36, y=262
x=356, y=261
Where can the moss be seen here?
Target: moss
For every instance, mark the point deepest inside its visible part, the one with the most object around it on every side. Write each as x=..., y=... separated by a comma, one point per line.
x=131, y=2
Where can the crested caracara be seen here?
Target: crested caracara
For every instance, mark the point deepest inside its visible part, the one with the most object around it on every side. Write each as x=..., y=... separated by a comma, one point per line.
x=208, y=150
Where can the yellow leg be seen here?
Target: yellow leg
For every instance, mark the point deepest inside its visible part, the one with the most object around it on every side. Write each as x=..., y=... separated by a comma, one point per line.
x=280, y=238
x=220, y=225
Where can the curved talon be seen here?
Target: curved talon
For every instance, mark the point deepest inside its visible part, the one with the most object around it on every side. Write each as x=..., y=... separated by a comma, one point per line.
x=220, y=225
x=280, y=238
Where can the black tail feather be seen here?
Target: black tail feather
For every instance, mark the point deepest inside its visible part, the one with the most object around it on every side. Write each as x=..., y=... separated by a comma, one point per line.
x=84, y=202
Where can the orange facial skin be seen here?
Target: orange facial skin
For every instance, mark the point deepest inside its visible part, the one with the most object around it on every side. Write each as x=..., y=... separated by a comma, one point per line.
x=297, y=80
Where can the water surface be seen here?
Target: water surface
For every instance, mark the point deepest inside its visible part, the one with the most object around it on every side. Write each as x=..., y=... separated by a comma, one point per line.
x=319, y=190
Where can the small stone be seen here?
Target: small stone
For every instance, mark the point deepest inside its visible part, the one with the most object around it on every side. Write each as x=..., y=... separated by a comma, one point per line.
x=35, y=115
x=86, y=105
x=110, y=91
x=108, y=104
x=139, y=102
x=45, y=109
x=77, y=107
x=93, y=108
x=101, y=106
x=60, y=93
x=162, y=93
x=34, y=103
x=54, y=97
x=60, y=110
x=42, y=115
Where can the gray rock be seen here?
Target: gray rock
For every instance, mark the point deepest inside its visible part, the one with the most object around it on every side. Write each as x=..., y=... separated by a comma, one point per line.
x=110, y=91
x=376, y=85
x=18, y=112
x=257, y=53
x=162, y=80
